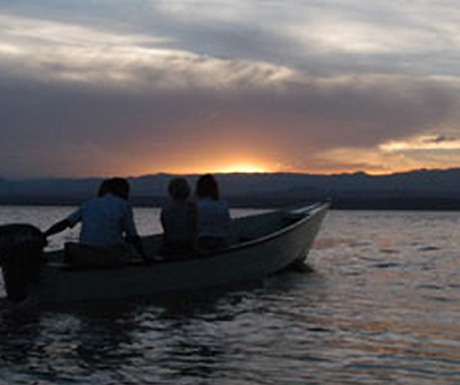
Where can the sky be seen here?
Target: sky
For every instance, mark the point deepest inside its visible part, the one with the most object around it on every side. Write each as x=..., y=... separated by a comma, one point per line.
x=113, y=87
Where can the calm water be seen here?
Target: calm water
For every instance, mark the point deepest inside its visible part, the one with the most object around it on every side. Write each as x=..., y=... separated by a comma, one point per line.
x=381, y=307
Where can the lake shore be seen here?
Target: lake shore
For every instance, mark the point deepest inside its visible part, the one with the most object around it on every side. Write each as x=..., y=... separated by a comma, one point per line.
x=266, y=201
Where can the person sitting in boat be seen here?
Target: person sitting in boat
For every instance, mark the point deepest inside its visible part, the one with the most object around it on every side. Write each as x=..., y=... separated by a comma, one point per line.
x=214, y=221
x=107, y=226
x=179, y=220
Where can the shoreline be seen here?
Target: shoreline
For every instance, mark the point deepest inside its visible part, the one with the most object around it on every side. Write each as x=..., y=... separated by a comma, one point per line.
x=267, y=202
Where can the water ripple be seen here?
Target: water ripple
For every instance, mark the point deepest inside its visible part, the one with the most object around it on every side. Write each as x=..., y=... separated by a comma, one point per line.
x=380, y=307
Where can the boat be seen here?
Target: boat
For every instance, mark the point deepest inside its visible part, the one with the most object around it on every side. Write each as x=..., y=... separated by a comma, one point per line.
x=265, y=244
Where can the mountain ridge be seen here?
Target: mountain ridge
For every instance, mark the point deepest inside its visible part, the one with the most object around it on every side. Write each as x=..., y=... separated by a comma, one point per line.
x=438, y=189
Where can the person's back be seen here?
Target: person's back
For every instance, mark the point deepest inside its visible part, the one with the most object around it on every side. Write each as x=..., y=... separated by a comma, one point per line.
x=213, y=218
x=107, y=227
x=104, y=221
x=178, y=218
x=214, y=221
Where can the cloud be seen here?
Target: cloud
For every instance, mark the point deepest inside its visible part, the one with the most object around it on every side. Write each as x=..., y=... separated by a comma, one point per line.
x=323, y=37
x=294, y=120
x=439, y=139
x=313, y=86
x=50, y=51
x=439, y=142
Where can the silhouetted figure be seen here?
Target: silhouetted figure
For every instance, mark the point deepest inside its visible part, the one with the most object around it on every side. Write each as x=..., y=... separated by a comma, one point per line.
x=107, y=227
x=179, y=221
x=214, y=222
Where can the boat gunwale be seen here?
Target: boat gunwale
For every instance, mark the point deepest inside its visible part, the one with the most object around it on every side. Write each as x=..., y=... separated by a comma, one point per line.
x=285, y=229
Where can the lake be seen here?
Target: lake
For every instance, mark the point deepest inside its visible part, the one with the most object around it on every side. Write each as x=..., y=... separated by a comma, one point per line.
x=381, y=306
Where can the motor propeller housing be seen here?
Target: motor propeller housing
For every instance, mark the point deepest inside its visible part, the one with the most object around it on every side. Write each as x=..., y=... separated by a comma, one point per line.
x=21, y=253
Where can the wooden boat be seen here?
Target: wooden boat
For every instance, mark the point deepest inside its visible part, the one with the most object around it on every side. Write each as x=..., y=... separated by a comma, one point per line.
x=270, y=242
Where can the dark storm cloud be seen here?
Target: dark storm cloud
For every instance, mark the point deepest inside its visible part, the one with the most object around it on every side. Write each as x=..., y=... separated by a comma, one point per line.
x=439, y=139
x=92, y=88
x=301, y=118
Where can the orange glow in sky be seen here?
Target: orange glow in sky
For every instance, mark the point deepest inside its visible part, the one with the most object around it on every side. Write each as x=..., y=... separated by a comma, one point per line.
x=220, y=164
x=195, y=165
x=226, y=168
x=240, y=167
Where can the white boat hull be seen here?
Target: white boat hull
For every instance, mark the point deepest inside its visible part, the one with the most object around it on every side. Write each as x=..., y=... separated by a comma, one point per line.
x=248, y=261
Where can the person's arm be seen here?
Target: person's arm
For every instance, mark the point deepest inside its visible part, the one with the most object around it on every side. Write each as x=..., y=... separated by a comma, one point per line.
x=192, y=225
x=57, y=228
x=164, y=224
x=137, y=244
x=70, y=221
x=131, y=234
x=163, y=219
x=228, y=221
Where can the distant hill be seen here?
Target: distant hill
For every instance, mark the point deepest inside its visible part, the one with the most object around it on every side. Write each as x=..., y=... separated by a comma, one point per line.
x=421, y=189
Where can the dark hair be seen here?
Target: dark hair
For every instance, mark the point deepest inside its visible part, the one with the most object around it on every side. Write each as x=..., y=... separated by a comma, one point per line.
x=179, y=189
x=103, y=188
x=207, y=187
x=118, y=187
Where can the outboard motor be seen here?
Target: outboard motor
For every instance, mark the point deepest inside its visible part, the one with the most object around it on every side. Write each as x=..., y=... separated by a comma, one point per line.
x=21, y=253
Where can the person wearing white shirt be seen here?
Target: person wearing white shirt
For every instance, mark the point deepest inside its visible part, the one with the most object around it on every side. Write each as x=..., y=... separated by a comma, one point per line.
x=214, y=221
x=179, y=220
x=107, y=222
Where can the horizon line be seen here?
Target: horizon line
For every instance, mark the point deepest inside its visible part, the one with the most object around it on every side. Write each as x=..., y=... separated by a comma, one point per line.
x=172, y=174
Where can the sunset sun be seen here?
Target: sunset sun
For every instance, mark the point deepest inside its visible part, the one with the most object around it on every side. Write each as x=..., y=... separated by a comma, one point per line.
x=241, y=167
